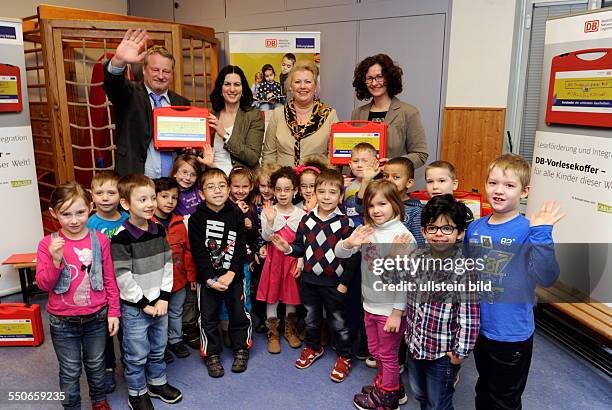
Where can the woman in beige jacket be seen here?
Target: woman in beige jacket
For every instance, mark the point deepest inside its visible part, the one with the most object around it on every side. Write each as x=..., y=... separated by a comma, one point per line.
x=302, y=126
x=378, y=78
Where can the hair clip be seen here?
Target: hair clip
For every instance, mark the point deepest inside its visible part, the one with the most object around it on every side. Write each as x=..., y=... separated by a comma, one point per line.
x=302, y=168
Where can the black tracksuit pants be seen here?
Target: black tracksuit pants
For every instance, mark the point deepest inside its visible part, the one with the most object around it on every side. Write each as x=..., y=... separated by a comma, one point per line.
x=239, y=319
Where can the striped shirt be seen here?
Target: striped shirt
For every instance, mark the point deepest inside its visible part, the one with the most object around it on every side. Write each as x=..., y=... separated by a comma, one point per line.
x=143, y=264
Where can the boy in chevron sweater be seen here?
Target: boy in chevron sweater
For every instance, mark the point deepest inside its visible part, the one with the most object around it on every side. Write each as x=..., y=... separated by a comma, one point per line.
x=324, y=280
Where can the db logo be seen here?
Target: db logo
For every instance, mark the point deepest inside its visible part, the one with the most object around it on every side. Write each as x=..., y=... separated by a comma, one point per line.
x=591, y=26
x=271, y=43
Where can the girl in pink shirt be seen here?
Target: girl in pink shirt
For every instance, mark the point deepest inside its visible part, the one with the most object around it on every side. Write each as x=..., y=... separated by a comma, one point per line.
x=74, y=266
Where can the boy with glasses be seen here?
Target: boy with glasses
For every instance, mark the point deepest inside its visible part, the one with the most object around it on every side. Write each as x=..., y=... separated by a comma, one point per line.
x=218, y=245
x=442, y=327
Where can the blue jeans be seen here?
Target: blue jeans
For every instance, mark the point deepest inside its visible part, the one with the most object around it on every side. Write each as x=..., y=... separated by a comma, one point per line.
x=144, y=342
x=432, y=382
x=76, y=340
x=175, y=316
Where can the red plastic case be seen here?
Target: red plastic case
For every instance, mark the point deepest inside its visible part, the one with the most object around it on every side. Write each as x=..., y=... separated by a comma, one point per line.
x=10, y=88
x=188, y=140
x=340, y=153
x=584, y=93
x=21, y=325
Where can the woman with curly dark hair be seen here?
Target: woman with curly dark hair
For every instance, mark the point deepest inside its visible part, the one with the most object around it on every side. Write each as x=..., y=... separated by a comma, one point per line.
x=379, y=78
x=238, y=128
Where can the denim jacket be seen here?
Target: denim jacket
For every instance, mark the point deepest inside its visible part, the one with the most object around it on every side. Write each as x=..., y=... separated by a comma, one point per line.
x=95, y=270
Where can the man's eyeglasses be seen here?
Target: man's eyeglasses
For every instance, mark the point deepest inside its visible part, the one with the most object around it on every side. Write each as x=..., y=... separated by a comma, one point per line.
x=379, y=79
x=446, y=229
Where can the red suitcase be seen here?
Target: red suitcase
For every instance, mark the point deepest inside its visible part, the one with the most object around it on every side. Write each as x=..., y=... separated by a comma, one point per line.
x=21, y=325
x=580, y=90
x=10, y=88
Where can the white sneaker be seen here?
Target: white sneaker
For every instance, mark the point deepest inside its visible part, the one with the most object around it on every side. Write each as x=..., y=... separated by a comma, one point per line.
x=371, y=362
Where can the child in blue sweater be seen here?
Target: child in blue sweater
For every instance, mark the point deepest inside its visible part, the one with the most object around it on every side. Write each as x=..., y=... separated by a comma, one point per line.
x=519, y=254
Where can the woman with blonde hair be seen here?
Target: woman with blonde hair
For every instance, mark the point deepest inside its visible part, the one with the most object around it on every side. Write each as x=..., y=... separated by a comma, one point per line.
x=302, y=126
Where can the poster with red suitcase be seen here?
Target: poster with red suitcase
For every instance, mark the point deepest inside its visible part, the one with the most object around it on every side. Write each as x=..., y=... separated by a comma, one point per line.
x=572, y=155
x=20, y=204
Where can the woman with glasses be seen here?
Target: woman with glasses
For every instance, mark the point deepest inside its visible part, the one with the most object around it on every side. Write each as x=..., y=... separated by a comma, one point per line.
x=302, y=126
x=238, y=128
x=379, y=79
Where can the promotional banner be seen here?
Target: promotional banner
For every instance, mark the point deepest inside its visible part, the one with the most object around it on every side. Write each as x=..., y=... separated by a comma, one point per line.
x=267, y=57
x=573, y=147
x=21, y=223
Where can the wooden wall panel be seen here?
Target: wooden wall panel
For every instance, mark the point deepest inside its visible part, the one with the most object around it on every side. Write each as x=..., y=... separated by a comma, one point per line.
x=471, y=138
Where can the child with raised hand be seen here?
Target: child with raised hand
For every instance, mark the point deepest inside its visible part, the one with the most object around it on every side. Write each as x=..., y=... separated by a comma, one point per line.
x=442, y=327
x=218, y=245
x=364, y=166
x=278, y=281
x=184, y=271
x=400, y=171
x=505, y=343
x=264, y=192
x=74, y=266
x=384, y=234
x=107, y=219
x=325, y=281
x=241, y=186
x=143, y=266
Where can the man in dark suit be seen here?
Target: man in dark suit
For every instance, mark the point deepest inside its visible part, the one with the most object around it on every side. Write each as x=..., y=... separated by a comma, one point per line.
x=133, y=103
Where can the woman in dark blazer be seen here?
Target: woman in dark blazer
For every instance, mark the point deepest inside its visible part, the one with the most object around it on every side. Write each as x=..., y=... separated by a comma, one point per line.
x=378, y=78
x=238, y=128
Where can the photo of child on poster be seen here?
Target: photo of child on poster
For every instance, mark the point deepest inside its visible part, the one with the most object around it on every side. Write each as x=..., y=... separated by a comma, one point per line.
x=267, y=58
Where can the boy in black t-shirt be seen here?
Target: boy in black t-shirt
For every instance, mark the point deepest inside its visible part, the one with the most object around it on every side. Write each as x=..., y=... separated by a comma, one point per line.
x=218, y=246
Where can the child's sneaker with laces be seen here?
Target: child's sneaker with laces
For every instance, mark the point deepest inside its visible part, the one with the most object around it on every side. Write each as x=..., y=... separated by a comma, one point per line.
x=341, y=369
x=308, y=357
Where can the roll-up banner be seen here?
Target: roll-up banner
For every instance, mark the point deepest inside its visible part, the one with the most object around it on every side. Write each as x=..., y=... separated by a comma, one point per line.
x=572, y=159
x=19, y=204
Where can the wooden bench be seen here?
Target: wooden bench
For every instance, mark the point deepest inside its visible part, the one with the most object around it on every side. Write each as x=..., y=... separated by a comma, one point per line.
x=593, y=315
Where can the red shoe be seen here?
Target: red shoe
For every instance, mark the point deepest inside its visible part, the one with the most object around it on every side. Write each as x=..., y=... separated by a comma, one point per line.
x=308, y=357
x=102, y=405
x=341, y=369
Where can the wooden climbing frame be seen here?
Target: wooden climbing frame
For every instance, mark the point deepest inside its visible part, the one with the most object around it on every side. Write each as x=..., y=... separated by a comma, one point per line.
x=72, y=121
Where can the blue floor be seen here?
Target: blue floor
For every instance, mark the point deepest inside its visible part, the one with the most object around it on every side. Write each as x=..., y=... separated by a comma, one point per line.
x=558, y=380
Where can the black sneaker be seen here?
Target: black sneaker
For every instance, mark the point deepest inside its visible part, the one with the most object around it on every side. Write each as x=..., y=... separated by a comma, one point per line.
x=192, y=340
x=165, y=393
x=241, y=358
x=215, y=368
x=142, y=402
x=179, y=349
x=168, y=358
